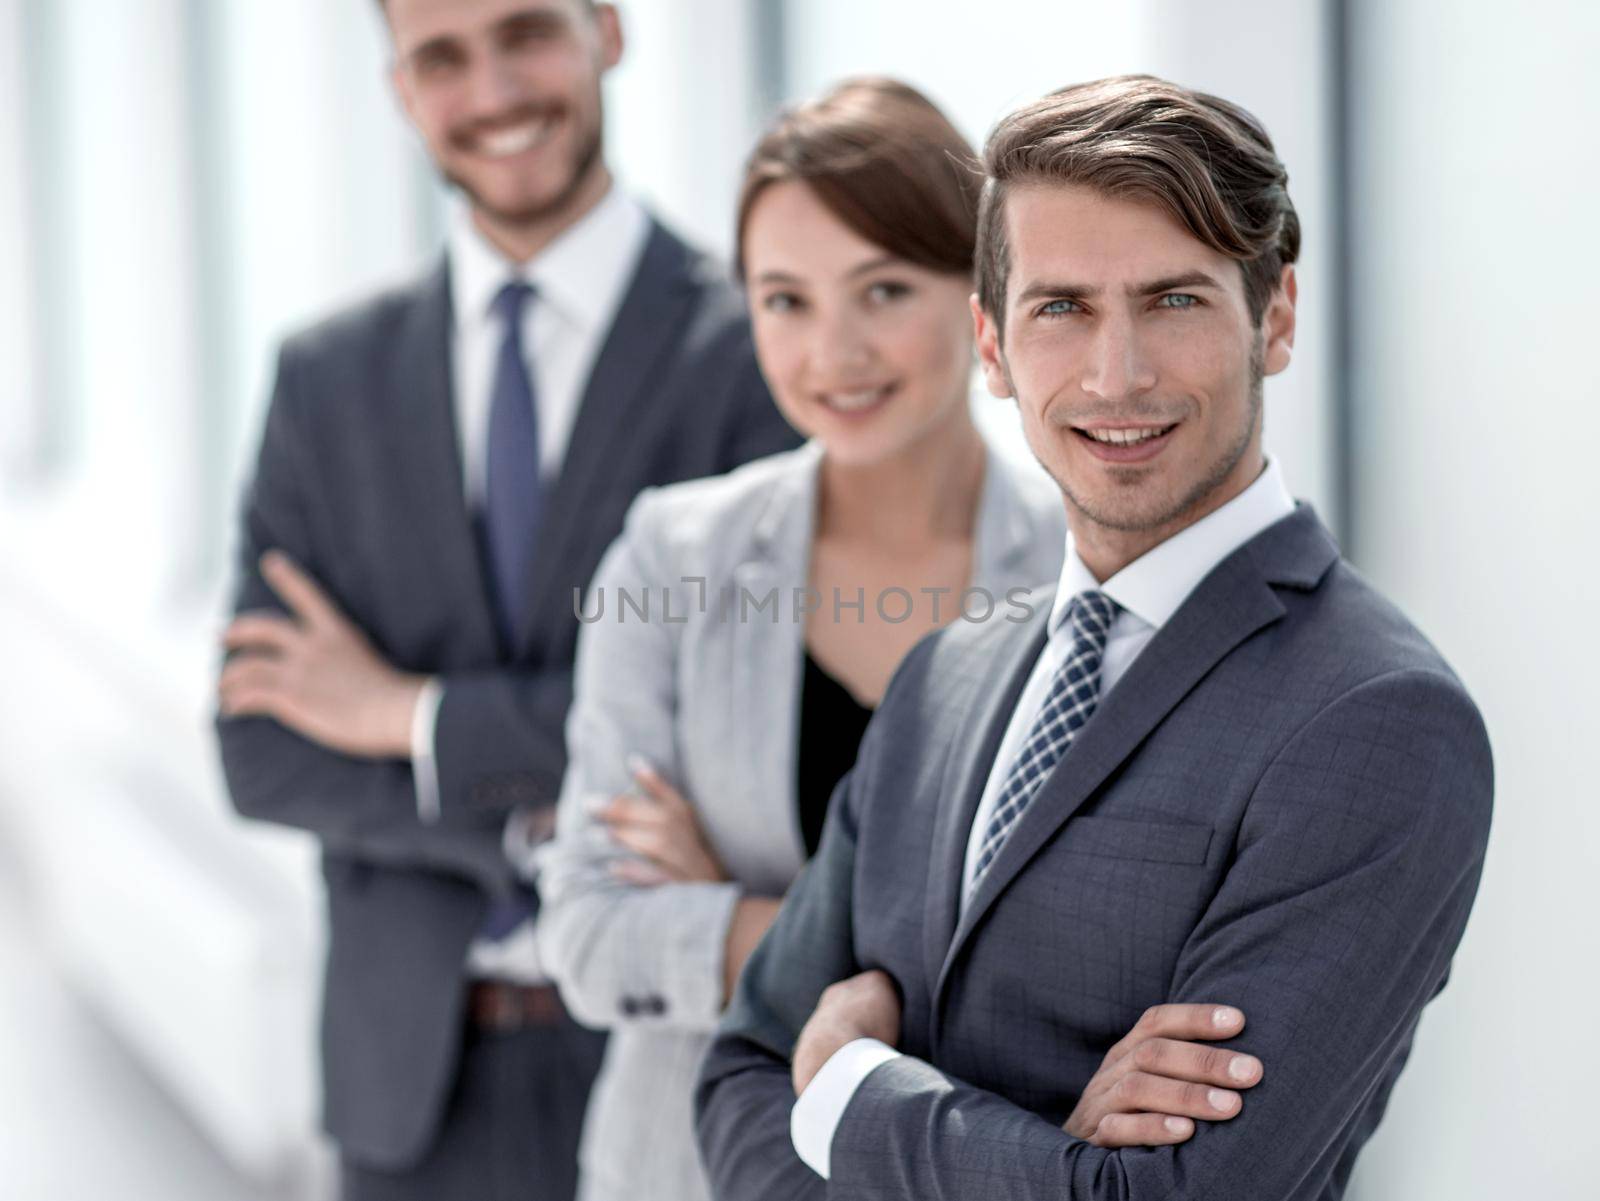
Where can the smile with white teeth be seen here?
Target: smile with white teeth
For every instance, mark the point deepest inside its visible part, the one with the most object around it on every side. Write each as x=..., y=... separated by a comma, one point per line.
x=1129, y=437
x=852, y=402
x=504, y=143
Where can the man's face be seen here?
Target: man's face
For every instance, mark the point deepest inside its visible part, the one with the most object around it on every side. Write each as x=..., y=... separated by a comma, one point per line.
x=1129, y=347
x=506, y=95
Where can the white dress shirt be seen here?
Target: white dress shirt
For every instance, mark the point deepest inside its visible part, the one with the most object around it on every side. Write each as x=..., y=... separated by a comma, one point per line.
x=579, y=280
x=1149, y=590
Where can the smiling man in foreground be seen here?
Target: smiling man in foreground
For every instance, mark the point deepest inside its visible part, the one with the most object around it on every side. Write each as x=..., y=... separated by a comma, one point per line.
x=1219, y=768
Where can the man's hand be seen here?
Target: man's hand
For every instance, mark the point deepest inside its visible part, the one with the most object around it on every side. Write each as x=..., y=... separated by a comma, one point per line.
x=316, y=672
x=1153, y=1083
x=864, y=1006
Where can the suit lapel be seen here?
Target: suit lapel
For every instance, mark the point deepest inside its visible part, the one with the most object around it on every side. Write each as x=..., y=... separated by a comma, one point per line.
x=427, y=452
x=1006, y=539
x=768, y=659
x=987, y=714
x=646, y=325
x=1230, y=605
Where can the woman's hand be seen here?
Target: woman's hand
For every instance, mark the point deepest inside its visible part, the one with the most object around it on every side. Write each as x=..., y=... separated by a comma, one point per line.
x=658, y=824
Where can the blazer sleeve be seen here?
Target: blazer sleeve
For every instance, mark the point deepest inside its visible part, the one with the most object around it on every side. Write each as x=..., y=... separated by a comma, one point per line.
x=497, y=739
x=1355, y=870
x=358, y=807
x=623, y=953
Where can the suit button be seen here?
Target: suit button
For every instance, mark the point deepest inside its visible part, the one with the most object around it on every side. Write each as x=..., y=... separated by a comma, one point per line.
x=630, y=1006
x=655, y=1005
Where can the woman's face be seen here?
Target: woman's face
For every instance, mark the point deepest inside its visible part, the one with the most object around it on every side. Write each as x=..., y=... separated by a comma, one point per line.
x=863, y=351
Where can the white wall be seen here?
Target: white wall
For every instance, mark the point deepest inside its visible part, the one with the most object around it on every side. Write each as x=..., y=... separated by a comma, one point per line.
x=680, y=117
x=19, y=418
x=1479, y=412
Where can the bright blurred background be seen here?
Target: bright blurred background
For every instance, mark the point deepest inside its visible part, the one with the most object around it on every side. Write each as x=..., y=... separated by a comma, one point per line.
x=183, y=181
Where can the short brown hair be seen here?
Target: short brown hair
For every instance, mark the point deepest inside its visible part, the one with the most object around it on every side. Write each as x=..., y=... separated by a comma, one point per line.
x=1205, y=161
x=587, y=5
x=885, y=161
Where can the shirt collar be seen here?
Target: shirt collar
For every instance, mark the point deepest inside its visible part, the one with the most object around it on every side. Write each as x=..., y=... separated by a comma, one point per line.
x=1156, y=584
x=582, y=273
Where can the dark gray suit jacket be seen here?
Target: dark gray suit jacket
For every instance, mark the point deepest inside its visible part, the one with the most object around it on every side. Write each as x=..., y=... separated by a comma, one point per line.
x=359, y=479
x=1283, y=805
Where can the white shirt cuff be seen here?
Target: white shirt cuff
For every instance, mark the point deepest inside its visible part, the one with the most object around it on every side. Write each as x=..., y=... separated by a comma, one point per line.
x=424, y=771
x=818, y=1110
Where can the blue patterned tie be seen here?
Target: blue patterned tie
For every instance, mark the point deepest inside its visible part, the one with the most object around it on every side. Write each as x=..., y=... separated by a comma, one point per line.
x=512, y=499
x=512, y=502
x=1074, y=694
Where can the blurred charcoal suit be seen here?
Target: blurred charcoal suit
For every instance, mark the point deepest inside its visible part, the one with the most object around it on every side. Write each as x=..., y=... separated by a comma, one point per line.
x=438, y=1082
x=440, y=471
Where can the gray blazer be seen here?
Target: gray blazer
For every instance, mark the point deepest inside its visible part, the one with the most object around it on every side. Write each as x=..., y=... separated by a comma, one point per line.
x=714, y=704
x=359, y=478
x=1283, y=805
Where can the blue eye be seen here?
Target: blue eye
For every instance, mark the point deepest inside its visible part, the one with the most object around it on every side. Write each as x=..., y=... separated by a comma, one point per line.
x=1179, y=300
x=1060, y=308
x=887, y=290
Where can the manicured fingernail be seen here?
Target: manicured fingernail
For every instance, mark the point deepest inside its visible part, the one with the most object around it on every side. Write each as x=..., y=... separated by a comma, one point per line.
x=1220, y=1101
x=637, y=763
x=594, y=806
x=1225, y=1017
x=1177, y=1125
x=1241, y=1068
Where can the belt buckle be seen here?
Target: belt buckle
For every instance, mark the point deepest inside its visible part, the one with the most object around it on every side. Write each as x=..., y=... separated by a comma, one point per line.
x=504, y=1008
x=494, y=1008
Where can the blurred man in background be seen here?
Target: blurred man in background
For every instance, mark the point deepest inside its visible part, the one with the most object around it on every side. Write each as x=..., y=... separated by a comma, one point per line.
x=440, y=468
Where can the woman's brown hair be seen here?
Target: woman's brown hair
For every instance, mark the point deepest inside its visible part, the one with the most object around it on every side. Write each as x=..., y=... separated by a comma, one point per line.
x=883, y=160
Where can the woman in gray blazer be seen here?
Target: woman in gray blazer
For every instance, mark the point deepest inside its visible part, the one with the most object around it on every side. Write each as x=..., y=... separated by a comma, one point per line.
x=741, y=629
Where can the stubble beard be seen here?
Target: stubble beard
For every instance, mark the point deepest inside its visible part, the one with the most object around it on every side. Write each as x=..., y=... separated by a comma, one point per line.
x=1171, y=512
x=585, y=160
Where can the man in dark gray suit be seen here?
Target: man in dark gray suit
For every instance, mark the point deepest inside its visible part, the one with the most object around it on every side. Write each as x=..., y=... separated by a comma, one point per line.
x=1218, y=771
x=441, y=469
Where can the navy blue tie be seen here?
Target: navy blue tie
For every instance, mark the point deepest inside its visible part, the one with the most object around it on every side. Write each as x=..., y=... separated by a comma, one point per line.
x=513, y=496
x=512, y=502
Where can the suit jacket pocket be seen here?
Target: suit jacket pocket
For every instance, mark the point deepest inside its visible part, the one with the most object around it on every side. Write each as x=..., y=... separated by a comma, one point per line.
x=1147, y=841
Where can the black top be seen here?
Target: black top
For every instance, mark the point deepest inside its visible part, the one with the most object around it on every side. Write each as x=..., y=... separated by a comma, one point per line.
x=831, y=725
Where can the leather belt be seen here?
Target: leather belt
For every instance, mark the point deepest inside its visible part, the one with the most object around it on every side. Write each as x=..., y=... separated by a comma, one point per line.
x=501, y=1007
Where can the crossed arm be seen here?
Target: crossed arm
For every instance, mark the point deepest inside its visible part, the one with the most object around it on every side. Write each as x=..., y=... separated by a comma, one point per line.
x=1354, y=870
x=315, y=724
x=636, y=903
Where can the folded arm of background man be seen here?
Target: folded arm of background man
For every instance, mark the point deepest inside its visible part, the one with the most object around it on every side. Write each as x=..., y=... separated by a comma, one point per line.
x=497, y=739
x=1354, y=870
